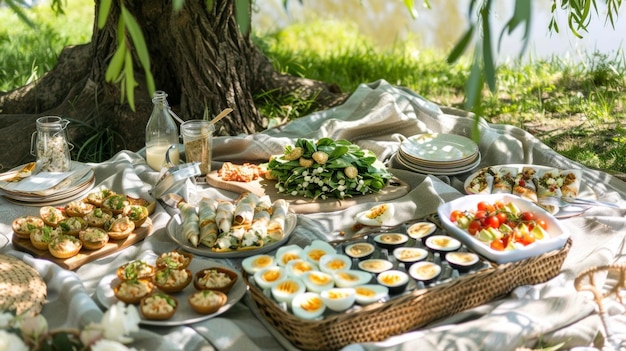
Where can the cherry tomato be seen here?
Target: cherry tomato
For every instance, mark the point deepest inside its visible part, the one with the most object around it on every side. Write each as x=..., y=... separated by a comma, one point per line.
x=480, y=215
x=485, y=206
x=492, y=221
x=527, y=216
x=474, y=227
x=527, y=238
x=502, y=217
x=498, y=205
x=497, y=245
x=456, y=214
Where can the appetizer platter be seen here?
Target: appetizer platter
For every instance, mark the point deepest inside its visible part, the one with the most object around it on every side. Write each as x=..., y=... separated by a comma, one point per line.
x=84, y=230
x=502, y=227
x=224, y=229
x=185, y=303
x=314, y=176
x=533, y=183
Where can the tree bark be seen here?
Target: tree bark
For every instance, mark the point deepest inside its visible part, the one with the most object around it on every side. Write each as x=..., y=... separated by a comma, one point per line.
x=198, y=56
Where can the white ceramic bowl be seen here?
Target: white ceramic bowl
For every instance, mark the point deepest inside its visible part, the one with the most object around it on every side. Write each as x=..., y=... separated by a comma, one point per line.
x=555, y=241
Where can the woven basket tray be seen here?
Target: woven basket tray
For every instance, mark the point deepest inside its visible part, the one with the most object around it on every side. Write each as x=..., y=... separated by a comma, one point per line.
x=408, y=312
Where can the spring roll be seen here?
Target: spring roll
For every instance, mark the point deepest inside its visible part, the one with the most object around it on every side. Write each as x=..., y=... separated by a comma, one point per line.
x=571, y=182
x=276, y=226
x=190, y=223
x=244, y=211
x=208, y=234
x=224, y=216
x=207, y=211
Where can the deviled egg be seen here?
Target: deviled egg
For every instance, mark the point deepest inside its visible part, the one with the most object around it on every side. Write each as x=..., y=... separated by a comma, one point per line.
x=284, y=254
x=425, y=271
x=287, y=289
x=253, y=264
x=377, y=215
x=308, y=305
x=442, y=243
x=462, y=261
x=317, y=281
x=338, y=299
x=360, y=250
x=421, y=230
x=270, y=276
x=390, y=241
x=296, y=268
x=334, y=263
x=375, y=265
x=396, y=281
x=370, y=293
x=318, y=248
x=409, y=255
x=351, y=278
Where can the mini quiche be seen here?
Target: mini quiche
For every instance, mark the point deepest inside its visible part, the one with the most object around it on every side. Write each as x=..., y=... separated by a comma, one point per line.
x=93, y=238
x=64, y=246
x=215, y=278
x=97, y=196
x=172, y=280
x=137, y=213
x=136, y=269
x=119, y=228
x=51, y=215
x=78, y=208
x=22, y=226
x=40, y=238
x=175, y=259
x=207, y=301
x=115, y=203
x=98, y=217
x=158, y=306
x=132, y=291
x=72, y=225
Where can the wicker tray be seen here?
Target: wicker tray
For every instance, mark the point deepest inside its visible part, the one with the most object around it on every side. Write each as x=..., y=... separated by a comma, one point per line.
x=411, y=311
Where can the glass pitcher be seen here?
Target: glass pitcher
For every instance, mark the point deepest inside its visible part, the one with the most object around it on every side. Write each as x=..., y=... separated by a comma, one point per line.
x=49, y=144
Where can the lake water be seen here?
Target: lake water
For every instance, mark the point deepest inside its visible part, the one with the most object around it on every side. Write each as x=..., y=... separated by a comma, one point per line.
x=439, y=27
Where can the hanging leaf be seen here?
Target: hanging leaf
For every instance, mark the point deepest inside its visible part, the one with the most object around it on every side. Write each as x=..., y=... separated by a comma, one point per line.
x=461, y=45
x=243, y=15
x=117, y=63
x=103, y=12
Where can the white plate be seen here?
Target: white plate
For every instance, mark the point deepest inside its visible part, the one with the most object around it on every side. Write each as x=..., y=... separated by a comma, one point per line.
x=439, y=147
x=53, y=200
x=557, y=239
x=185, y=314
x=438, y=171
x=174, y=231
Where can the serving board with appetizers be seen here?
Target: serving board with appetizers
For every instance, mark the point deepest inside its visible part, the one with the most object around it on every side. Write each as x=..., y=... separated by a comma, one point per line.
x=84, y=230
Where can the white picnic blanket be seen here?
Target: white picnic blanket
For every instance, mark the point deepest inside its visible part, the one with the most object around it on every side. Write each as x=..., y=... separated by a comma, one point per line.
x=376, y=116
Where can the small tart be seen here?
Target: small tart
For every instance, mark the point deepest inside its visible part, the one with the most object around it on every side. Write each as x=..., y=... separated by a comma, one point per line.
x=64, y=246
x=172, y=280
x=96, y=197
x=93, y=238
x=51, y=216
x=119, y=228
x=22, y=226
x=215, y=278
x=40, y=238
x=72, y=225
x=207, y=301
x=98, y=217
x=136, y=269
x=158, y=306
x=115, y=203
x=176, y=259
x=78, y=208
x=137, y=213
x=141, y=202
x=132, y=291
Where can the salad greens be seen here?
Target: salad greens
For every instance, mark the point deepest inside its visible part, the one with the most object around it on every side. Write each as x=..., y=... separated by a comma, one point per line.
x=327, y=169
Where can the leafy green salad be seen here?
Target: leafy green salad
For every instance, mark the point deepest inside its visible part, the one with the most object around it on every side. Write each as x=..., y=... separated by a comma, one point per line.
x=327, y=169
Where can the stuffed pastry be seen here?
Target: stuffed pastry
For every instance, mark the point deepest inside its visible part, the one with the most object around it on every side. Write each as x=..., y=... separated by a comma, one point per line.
x=207, y=211
x=524, y=185
x=208, y=234
x=244, y=210
x=482, y=182
x=549, y=183
x=190, y=223
x=276, y=226
x=224, y=216
x=571, y=182
x=503, y=180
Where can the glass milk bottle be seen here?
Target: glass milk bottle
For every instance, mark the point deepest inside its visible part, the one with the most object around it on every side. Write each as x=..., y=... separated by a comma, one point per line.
x=161, y=133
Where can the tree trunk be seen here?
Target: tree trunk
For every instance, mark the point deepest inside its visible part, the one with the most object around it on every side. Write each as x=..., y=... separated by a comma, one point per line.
x=198, y=56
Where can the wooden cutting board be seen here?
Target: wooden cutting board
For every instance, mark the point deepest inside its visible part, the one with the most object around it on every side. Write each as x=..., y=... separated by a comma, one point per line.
x=85, y=256
x=395, y=189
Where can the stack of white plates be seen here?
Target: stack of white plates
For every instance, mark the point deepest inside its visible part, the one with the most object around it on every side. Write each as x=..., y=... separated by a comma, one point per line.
x=77, y=184
x=438, y=154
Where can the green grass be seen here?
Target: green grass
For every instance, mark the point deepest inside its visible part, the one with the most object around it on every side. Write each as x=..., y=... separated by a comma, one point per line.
x=577, y=109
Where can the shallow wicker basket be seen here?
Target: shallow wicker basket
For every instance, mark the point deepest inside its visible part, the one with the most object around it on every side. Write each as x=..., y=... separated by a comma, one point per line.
x=408, y=312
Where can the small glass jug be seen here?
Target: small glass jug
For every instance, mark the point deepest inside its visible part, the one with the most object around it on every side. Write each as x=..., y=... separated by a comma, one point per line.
x=49, y=144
